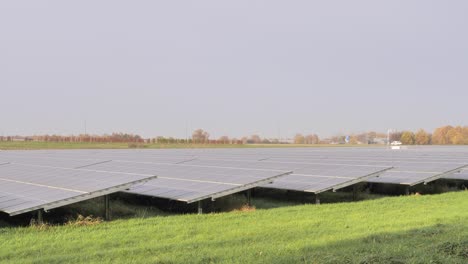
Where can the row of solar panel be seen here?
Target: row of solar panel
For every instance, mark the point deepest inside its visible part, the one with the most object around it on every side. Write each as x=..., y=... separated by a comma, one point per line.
x=194, y=175
x=403, y=166
x=409, y=171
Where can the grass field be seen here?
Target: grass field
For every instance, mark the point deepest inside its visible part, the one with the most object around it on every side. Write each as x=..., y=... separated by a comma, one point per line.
x=411, y=229
x=8, y=145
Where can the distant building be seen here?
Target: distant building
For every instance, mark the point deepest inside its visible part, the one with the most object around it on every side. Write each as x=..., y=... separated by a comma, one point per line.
x=380, y=141
x=287, y=141
x=281, y=141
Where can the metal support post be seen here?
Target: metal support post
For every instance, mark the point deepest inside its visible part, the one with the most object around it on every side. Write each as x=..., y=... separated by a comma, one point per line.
x=355, y=192
x=249, y=198
x=200, y=208
x=40, y=219
x=107, y=215
x=407, y=190
x=317, y=198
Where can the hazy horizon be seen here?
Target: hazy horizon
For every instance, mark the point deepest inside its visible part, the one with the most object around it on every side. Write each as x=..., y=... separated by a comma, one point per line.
x=272, y=68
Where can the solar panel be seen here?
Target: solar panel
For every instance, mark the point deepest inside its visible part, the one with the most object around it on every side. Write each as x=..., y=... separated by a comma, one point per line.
x=413, y=177
x=310, y=177
x=463, y=175
x=405, y=171
x=72, y=159
x=183, y=190
x=191, y=183
x=55, y=162
x=25, y=188
x=307, y=183
x=325, y=180
x=412, y=165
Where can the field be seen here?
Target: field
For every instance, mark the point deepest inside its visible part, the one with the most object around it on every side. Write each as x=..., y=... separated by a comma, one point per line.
x=9, y=145
x=409, y=229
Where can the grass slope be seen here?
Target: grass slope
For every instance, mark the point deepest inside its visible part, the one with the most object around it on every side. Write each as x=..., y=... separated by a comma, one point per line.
x=413, y=229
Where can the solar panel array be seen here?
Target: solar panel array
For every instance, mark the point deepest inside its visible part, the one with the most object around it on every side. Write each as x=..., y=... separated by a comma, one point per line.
x=409, y=166
x=314, y=178
x=25, y=188
x=191, y=183
x=175, y=181
x=195, y=174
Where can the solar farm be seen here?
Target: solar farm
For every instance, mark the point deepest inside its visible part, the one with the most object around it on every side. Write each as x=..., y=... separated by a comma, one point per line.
x=44, y=180
x=36, y=182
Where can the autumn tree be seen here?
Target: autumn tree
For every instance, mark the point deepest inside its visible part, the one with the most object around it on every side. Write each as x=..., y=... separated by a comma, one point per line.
x=407, y=138
x=256, y=139
x=465, y=134
x=312, y=139
x=422, y=137
x=362, y=138
x=299, y=139
x=450, y=135
x=353, y=140
x=455, y=136
x=224, y=140
x=440, y=137
x=200, y=136
x=245, y=140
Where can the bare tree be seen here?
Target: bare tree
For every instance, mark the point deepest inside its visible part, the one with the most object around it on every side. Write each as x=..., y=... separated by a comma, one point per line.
x=224, y=140
x=299, y=139
x=256, y=139
x=395, y=136
x=200, y=136
x=245, y=140
x=312, y=139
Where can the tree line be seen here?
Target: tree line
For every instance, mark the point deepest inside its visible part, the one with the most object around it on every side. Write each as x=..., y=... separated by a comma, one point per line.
x=111, y=138
x=446, y=135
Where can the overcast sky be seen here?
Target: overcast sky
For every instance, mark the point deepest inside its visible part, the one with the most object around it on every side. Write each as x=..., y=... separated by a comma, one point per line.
x=232, y=67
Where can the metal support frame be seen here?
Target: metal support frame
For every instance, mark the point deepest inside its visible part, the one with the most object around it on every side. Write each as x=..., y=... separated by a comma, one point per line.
x=212, y=206
x=355, y=192
x=107, y=215
x=236, y=189
x=40, y=219
x=351, y=181
x=200, y=207
x=89, y=165
x=442, y=175
x=249, y=197
x=360, y=179
x=317, y=199
x=407, y=190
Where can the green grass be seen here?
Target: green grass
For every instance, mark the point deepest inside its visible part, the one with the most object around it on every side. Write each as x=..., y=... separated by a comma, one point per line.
x=9, y=145
x=412, y=229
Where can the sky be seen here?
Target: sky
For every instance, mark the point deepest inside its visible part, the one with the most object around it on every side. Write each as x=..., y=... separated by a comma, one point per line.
x=273, y=68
